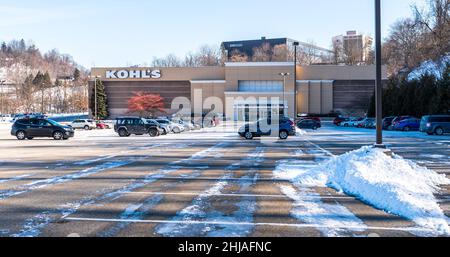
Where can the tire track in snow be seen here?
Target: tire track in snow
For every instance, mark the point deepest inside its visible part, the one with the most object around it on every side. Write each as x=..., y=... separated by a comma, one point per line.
x=332, y=220
x=34, y=225
x=42, y=183
x=16, y=178
x=201, y=210
x=138, y=211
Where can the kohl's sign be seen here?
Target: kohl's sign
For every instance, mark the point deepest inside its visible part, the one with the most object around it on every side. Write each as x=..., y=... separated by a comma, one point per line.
x=133, y=74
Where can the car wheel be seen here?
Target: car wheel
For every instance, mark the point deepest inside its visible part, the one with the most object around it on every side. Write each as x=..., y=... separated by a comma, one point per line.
x=284, y=135
x=248, y=135
x=439, y=131
x=176, y=130
x=86, y=127
x=123, y=133
x=406, y=129
x=58, y=135
x=153, y=132
x=314, y=128
x=21, y=135
x=346, y=125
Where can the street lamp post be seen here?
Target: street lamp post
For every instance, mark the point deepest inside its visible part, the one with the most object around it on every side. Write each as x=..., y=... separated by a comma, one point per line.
x=2, y=82
x=95, y=98
x=284, y=75
x=379, y=82
x=296, y=44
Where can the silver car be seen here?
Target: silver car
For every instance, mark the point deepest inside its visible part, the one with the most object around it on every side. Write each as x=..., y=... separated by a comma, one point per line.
x=85, y=124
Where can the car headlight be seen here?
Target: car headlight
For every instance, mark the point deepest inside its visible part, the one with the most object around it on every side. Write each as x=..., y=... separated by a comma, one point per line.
x=428, y=124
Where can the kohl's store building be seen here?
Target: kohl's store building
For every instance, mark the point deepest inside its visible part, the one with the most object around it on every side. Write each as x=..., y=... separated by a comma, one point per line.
x=320, y=89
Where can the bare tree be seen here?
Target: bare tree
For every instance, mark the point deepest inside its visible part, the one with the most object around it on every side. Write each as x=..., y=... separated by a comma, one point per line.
x=237, y=56
x=263, y=53
x=281, y=53
x=435, y=19
x=308, y=53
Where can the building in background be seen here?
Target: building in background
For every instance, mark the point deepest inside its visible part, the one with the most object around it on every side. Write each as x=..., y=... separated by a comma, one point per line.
x=274, y=50
x=244, y=86
x=353, y=48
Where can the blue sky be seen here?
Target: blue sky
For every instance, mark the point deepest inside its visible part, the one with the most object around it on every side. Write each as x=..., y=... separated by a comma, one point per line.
x=118, y=33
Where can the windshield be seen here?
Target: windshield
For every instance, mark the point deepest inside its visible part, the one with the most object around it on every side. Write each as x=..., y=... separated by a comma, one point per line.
x=54, y=123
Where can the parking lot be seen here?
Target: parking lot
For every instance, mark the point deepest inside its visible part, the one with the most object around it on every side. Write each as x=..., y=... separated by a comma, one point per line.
x=201, y=183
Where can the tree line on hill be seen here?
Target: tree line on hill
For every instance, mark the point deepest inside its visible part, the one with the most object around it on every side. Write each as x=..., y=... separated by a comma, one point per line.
x=411, y=42
x=49, y=82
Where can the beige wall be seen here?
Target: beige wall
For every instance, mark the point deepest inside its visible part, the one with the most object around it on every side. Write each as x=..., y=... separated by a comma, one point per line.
x=315, y=96
x=314, y=83
x=338, y=72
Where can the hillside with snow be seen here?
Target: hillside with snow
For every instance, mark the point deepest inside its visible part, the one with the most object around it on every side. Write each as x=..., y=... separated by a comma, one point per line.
x=435, y=68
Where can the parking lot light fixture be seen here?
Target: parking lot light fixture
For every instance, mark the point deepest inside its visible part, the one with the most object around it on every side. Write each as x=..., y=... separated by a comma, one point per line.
x=284, y=75
x=296, y=44
x=378, y=83
x=95, y=97
x=2, y=82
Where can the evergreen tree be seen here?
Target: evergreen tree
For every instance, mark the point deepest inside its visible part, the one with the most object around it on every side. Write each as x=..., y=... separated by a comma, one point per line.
x=4, y=48
x=102, y=100
x=76, y=74
x=441, y=100
x=22, y=46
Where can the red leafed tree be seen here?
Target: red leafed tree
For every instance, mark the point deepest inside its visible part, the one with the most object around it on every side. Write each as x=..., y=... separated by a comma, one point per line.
x=145, y=104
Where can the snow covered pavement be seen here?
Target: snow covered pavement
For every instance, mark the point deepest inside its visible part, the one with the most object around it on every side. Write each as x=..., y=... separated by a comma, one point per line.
x=212, y=183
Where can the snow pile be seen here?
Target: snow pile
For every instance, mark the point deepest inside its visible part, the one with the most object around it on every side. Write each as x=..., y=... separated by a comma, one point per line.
x=435, y=68
x=392, y=184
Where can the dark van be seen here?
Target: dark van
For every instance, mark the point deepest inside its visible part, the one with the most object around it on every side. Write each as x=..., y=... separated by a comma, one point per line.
x=31, y=128
x=435, y=124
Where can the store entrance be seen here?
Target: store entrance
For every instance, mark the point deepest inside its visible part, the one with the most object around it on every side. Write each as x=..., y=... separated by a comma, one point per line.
x=252, y=113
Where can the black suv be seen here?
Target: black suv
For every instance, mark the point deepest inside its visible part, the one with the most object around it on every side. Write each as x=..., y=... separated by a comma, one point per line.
x=31, y=128
x=127, y=126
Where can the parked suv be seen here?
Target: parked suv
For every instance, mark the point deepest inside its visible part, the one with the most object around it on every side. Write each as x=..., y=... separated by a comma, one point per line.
x=83, y=124
x=262, y=127
x=127, y=126
x=31, y=128
x=435, y=124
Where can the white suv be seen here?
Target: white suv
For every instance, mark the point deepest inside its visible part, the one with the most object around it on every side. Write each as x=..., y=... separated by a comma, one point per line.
x=84, y=124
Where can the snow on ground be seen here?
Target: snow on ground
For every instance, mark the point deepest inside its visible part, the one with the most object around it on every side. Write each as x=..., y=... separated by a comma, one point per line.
x=392, y=184
x=332, y=219
x=199, y=219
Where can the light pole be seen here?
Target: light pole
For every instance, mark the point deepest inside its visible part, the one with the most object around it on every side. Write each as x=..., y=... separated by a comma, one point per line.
x=2, y=82
x=95, y=98
x=379, y=82
x=284, y=75
x=295, y=78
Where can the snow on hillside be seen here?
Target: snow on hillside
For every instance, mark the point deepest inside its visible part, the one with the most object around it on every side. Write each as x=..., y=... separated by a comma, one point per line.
x=392, y=184
x=436, y=68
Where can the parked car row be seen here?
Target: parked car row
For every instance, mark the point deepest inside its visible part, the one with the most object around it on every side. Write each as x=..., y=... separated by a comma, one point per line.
x=88, y=124
x=127, y=126
x=432, y=125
